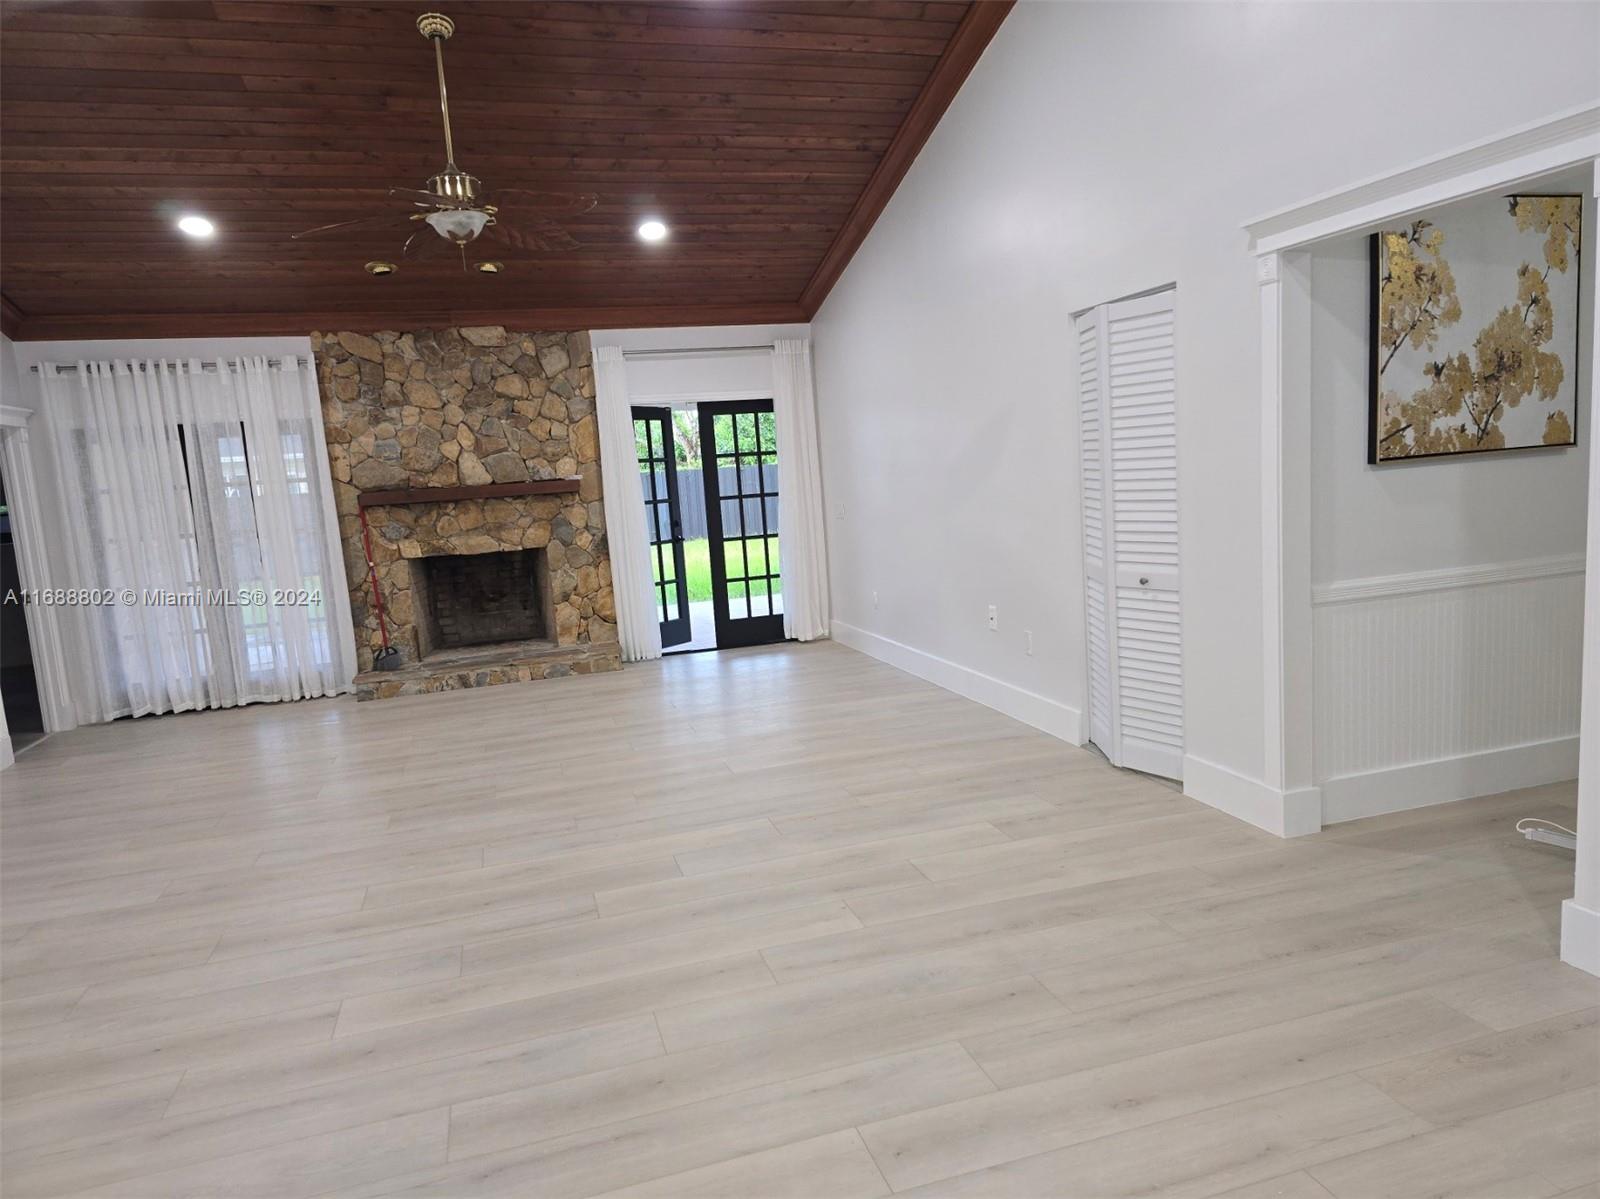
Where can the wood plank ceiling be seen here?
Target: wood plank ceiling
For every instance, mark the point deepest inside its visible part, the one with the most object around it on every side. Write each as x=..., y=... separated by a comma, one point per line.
x=768, y=134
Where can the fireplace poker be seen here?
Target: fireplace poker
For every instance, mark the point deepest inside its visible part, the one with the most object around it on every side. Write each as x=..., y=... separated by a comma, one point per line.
x=387, y=658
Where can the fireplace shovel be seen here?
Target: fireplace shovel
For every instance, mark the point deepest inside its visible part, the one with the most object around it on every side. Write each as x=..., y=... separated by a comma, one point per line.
x=387, y=658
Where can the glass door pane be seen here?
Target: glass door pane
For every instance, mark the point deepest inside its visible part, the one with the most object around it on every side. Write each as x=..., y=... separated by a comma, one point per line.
x=739, y=449
x=652, y=435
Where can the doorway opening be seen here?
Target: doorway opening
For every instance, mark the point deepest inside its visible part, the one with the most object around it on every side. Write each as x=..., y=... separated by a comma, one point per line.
x=19, y=688
x=709, y=473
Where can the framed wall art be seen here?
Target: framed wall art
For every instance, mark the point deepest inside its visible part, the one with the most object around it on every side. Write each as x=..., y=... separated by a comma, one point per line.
x=1475, y=329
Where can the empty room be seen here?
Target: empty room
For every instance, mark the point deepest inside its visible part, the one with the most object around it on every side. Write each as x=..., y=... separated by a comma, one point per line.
x=799, y=599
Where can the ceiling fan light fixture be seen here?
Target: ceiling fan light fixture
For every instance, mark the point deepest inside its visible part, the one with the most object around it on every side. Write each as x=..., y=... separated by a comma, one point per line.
x=196, y=226
x=459, y=225
x=381, y=268
x=652, y=230
x=453, y=204
x=491, y=268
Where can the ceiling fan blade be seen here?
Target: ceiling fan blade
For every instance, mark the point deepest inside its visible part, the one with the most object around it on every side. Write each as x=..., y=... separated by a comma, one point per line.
x=548, y=203
x=535, y=235
x=377, y=220
x=425, y=243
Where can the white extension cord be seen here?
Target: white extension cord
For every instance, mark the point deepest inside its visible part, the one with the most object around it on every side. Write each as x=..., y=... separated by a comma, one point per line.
x=1547, y=831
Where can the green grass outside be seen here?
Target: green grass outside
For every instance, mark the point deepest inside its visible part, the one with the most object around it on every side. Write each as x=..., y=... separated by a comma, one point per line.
x=697, y=566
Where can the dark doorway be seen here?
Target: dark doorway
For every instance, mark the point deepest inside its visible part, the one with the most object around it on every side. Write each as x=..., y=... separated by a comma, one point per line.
x=739, y=462
x=652, y=435
x=19, y=690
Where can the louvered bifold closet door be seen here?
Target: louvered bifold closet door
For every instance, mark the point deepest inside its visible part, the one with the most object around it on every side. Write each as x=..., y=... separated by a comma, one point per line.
x=1096, y=573
x=1141, y=515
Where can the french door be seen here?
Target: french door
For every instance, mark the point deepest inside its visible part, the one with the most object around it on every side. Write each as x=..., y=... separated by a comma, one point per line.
x=739, y=458
x=1128, y=426
x=652, y=434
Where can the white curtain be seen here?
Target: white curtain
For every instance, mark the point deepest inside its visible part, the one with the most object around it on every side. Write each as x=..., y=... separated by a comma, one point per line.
x=638, y=621
x=801, y=535
x=198, y=516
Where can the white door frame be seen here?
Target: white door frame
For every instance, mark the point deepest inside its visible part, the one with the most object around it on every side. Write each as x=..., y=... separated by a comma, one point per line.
x=1290, y=803
x=28, y=539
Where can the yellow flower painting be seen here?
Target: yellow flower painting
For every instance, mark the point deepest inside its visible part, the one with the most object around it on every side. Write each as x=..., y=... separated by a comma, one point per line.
x=1475, y=345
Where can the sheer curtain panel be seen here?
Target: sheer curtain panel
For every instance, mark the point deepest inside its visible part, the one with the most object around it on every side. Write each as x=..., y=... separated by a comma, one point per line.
x=638, y=621
x=199, y=520
x=800, y=515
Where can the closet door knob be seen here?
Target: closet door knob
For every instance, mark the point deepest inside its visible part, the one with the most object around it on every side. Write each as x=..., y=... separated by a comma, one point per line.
x=1144, y=580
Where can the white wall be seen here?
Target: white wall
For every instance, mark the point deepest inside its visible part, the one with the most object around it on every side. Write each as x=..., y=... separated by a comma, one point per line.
x=1457, y=674
x=1099, y=150
x=1410, y=516
x=10, y=378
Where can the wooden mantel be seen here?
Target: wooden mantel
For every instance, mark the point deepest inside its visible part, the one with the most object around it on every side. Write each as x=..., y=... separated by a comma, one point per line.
x=483, y=491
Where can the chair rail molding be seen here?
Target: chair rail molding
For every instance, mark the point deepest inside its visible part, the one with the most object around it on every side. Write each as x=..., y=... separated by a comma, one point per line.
x=1449, y=578
x=1280, y=241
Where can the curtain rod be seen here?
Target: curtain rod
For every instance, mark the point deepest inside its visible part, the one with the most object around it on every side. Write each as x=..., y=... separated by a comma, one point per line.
x=204, y=369
x=765, y=345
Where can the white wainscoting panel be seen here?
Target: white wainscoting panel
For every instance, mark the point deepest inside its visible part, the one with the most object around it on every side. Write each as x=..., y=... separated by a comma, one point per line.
x=1446, y=684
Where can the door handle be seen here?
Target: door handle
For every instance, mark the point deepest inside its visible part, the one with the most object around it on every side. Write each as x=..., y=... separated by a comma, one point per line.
x=1144, y=580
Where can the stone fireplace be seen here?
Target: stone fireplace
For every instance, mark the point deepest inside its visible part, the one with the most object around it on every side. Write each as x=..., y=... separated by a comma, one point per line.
x=473, y=455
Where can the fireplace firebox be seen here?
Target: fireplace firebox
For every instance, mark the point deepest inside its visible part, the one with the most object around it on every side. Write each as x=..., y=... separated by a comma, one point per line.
x=481, y=599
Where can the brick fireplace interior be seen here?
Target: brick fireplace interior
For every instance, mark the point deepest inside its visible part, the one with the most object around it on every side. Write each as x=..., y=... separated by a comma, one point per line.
x=481, y=599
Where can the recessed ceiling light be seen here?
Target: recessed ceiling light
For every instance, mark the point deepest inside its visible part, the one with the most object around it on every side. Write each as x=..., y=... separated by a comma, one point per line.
x=196, y=226
x=380, y=268
x=491, y=268
x=652, y=231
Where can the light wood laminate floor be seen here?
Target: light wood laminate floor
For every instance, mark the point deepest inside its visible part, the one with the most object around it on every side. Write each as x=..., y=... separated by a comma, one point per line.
x=777, y=922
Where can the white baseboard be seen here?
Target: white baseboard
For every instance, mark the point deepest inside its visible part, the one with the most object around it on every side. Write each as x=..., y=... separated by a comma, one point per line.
x=1046, y=715
x=1423, y=784
x=1283, y=813
x=1580, y=936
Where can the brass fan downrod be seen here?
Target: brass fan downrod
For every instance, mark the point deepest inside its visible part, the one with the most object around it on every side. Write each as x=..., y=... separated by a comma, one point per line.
x=452, y=183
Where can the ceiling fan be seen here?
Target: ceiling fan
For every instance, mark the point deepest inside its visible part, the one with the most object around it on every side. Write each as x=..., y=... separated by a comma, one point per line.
x=452, y=210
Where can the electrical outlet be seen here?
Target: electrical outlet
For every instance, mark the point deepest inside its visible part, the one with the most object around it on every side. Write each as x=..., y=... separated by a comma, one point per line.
x=1027, y=641
x=994, y=617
